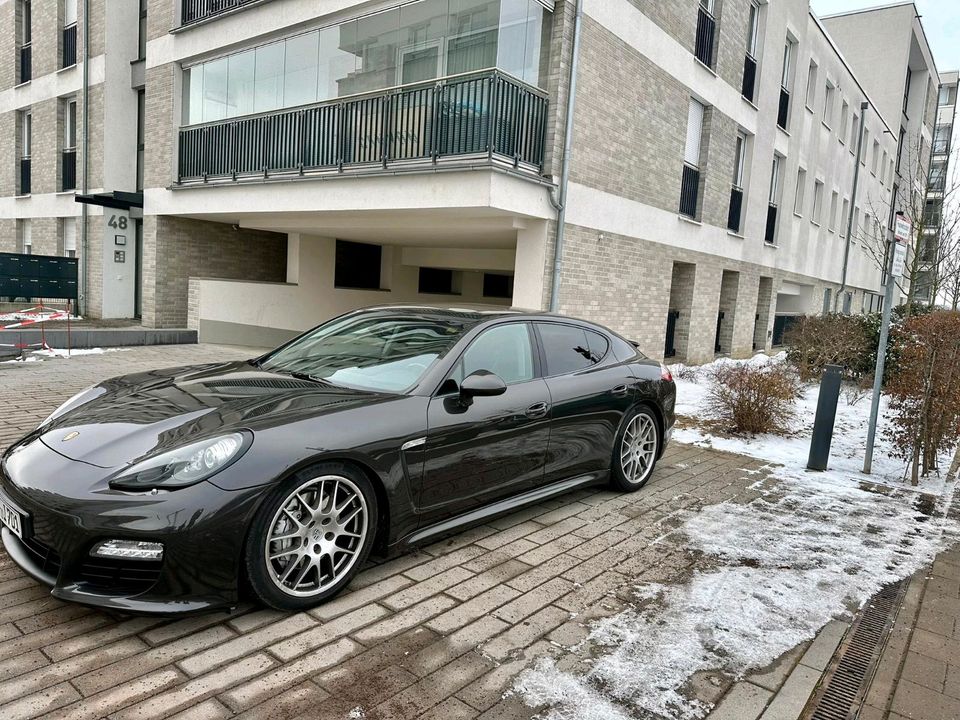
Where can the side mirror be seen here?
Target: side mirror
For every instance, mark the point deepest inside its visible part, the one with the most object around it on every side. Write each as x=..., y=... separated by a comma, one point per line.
x=481, y=383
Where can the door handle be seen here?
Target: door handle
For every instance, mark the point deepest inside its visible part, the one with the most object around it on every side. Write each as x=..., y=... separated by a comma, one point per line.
x=619, y=391
x=537, y=410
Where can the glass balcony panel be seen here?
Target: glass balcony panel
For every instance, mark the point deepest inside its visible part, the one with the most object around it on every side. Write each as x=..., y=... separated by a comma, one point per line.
x=268, y=82
x=215, y=90
x=240, y=83
x=300, y=69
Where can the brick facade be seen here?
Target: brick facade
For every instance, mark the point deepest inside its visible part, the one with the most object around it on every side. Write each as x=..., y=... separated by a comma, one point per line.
x=174, y=249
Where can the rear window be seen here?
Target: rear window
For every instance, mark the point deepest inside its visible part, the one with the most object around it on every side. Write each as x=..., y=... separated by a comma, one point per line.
x=569, y=348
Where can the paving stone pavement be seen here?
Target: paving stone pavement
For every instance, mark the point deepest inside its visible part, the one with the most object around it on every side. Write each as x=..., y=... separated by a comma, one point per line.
x=436, y=634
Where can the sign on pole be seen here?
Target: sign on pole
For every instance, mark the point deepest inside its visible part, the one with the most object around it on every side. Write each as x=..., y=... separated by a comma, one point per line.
x=902, y=229
x=899, y=259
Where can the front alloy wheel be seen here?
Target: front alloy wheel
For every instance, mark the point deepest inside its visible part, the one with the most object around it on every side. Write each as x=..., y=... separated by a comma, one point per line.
x=313, y=537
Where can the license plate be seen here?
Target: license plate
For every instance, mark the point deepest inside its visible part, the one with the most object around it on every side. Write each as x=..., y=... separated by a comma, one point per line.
x=12, y=519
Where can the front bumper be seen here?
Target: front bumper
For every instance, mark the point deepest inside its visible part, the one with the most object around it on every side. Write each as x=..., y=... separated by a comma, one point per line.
x=70, y=509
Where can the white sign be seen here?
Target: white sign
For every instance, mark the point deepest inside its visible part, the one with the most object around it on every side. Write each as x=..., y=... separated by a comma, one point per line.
x=899, y=259
x=902, y=229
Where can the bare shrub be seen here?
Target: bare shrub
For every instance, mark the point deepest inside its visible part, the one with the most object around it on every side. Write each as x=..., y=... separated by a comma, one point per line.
x=753, y=399
x=817, y=341
x=925, y=390
x=856, y=390
x=690, y=373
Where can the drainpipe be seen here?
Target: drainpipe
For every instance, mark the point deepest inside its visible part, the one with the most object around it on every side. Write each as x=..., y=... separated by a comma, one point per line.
x=561, y=204
x=82, y=294
x=864, y=106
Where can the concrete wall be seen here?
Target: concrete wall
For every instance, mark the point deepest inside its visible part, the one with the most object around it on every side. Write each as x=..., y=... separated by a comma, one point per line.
x=266, y=313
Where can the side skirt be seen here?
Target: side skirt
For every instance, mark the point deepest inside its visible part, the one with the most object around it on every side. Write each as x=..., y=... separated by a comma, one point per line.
x=501, y=507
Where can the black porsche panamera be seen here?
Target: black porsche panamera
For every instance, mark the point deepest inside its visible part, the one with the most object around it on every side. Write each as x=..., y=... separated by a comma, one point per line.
x=169, y=491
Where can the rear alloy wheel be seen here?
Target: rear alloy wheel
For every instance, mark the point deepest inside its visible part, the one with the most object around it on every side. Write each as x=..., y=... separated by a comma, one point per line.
x=310, y=540
x=635, y=454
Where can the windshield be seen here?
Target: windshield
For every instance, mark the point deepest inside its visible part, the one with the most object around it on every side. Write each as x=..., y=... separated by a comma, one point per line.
x=369, y=352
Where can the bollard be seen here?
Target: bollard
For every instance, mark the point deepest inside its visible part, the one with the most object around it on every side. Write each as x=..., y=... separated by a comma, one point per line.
x=825, y=418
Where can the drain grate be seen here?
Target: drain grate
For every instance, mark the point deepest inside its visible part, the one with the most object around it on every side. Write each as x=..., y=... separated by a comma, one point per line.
x=845, y=683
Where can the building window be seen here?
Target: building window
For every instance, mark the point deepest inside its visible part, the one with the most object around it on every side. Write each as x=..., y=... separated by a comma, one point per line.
x=875, y=162
x=26, y=237
x=770, y=234
x=26, y=37
x=68, y=156
x=948, y=95
x=801, y=187
x=815, y=215
x=832, y=220
x=941, y=139
x=866, y=144
x=706, y=30
x=828, y=103
x=906, y=91
x=736, y=189
x=783, y=111
x=750, y=61
x=811, y=85
x=69, y=237
x=498, y=285
x=414, y=42
x=938, y=175
x=844, y=114
x=142, y=32
x=854, y=129
x=844, y=214
x=690, y=178
x=26, y=145
x=438, y=281
x=141, y=100
x=357, y=265
x=900, y=144
x=69, y=40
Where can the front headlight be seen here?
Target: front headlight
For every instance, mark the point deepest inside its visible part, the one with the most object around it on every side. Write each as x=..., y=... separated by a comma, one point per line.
x=81, y=398
x=184, y=465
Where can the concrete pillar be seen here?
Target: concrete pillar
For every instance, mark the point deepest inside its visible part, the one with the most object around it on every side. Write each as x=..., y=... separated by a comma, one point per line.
x=729, y=293
x=703, y=315
x=766, y=304
x=530, y=266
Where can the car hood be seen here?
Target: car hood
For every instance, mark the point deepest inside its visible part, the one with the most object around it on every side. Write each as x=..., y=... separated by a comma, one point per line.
x=137, y=414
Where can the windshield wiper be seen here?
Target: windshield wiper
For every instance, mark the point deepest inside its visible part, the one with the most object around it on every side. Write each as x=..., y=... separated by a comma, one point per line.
x=307, y=376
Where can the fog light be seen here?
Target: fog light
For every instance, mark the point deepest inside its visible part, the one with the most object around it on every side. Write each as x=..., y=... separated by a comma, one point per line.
x=132, y=549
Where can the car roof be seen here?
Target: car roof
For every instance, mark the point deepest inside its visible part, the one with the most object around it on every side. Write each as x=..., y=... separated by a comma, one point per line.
x=471, y=314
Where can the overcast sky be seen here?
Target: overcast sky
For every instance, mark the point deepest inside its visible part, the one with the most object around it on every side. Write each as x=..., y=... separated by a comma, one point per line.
x=940, y=18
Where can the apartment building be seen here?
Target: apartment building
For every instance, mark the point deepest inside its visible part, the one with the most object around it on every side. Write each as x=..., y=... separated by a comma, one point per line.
x=287, y=160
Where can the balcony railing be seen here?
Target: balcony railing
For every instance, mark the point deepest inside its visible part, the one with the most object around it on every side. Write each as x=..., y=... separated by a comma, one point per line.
x=689, y=190
x=192, y=11
x=749, y=77
x=770, y=234
x=69, y=46
x=706, y=27
x=736, y=206
x=481, y=114
x=26, y=62
x=783, y=113
x=68, y=170
x=24, y=176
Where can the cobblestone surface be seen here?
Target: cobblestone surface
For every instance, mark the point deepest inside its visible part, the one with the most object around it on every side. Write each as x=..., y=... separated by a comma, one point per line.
x=439, y=634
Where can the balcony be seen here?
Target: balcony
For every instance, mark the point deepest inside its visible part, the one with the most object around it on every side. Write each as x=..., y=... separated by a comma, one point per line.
x=689, y=190
x=706, y=27
x=783, y=112
x=69, y=46
x=481, y=116
x=68, y=170
x=736, y=207
x=24, y=176
x=26, y=63
x=192, y=11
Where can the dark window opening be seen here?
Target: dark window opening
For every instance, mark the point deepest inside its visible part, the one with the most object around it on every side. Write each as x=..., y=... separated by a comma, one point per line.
x=357, y=265
x=496, y=285
x=437, y=281
x=567, y=348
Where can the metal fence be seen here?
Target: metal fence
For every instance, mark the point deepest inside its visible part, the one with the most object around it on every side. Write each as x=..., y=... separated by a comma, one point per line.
x=736, y=206
x=689, y=191
x=69, y=46
x=706, y=27
x=68, y=170
x=479, y=114
x=195, y=10
x=26, y=63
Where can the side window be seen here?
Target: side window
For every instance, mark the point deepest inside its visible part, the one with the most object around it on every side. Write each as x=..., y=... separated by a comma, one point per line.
x=504, y=350
x=568, y=348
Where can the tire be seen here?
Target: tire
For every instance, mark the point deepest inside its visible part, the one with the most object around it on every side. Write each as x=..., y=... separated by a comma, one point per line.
x=302, y=549
x=635, y=451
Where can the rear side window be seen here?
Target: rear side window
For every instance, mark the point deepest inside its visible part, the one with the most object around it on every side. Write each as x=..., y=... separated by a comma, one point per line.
x=568, y=348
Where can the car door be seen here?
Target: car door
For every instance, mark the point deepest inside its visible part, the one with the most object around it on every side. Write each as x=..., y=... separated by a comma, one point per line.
x=489, y=447
x=590, y=390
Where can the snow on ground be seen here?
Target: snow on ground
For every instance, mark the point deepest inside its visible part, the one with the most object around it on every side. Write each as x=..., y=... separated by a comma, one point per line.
x=37, y=355
x=812, y=547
